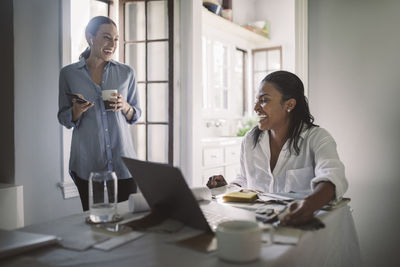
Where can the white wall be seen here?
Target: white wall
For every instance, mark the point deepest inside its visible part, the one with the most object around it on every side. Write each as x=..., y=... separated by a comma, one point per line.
x=190, y=88
x=354, y=88
x=37, y=132
x=243, y=11
x=281, y=16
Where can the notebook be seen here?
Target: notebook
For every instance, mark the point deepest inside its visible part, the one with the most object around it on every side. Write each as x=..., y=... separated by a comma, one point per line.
x=248, y=197
x=15, y=242
x=166, y=191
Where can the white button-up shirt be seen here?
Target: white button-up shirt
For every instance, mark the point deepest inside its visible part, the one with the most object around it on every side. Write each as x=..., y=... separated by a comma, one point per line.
x=317, y=161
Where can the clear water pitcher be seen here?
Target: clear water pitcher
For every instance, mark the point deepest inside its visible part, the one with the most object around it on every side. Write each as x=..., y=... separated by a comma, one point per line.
x=103, y=189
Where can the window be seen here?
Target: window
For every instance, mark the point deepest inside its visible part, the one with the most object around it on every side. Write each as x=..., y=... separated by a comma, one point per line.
x=223, y=74
x=215, y=74
x=146, y=44
x=265, y=61
x=239, y=84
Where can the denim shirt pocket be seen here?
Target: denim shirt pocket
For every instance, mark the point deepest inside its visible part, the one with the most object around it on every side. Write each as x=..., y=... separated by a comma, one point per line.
x=298, y=180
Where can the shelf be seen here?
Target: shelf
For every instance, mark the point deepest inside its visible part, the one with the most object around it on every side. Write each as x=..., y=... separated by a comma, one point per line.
x=212, y=20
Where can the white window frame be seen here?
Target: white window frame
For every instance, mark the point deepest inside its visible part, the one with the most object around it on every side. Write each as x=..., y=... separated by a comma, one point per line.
x=66, y=184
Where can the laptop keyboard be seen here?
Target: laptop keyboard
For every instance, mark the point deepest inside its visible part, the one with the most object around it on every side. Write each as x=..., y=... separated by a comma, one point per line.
x=214, y=219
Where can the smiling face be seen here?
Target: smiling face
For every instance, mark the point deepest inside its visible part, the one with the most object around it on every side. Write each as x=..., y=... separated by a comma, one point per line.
x=104, y=44
x=273, y=113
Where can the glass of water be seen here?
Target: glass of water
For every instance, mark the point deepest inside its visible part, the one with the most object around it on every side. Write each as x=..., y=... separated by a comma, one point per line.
x=103, y=189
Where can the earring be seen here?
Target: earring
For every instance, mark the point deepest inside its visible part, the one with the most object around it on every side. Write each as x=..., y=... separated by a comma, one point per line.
x=288, y=110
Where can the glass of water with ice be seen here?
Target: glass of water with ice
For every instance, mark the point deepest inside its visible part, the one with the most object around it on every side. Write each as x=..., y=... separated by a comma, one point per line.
x=103, y=189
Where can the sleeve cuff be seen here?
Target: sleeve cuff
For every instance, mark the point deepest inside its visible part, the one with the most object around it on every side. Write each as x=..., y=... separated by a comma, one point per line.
x=135, y=116
x=65, y=118
x=74, y=124
x=340, y=187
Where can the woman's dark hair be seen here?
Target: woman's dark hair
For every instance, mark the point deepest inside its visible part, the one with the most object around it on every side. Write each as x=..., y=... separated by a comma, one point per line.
x=92, y=28
x=290, y=86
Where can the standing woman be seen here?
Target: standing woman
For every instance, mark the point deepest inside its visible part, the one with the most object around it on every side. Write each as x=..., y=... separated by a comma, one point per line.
x=99, y=137
x=287, y=152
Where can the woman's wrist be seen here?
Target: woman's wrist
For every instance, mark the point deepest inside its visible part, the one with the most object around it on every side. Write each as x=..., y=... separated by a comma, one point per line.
x=129, y=113
x=323, y=193
x=76, y=113
x=126, y=111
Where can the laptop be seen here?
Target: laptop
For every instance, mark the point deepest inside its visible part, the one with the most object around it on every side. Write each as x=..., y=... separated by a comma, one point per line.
x=166, y=191
x=16, y=242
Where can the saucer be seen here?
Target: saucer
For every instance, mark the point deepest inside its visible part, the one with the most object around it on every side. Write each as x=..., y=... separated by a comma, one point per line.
x=116, y=218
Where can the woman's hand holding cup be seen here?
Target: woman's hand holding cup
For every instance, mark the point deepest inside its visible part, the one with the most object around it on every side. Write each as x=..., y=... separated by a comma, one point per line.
x=119, y=102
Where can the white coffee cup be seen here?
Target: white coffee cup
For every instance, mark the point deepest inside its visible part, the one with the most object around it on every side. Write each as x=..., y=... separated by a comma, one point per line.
x=238, y=241
x=106, y=95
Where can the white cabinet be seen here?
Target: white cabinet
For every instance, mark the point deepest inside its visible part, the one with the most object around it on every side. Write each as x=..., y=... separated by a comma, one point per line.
x=232, y=154
x=221, y=156
x=232, y=171
x=213, y=156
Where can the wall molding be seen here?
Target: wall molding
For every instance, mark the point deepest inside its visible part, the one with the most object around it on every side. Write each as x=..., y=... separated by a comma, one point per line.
x=68, y=189
x=66, y=184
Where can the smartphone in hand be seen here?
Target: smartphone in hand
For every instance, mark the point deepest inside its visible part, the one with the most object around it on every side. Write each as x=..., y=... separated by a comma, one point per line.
x=78, y=99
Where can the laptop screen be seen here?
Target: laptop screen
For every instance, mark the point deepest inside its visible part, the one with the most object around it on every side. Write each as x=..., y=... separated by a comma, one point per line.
x=167, y=192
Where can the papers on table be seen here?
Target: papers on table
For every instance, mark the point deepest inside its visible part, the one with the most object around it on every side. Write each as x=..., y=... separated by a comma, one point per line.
x=283, y=196
x=82, y=240
x=118, y=241
x=287, y=235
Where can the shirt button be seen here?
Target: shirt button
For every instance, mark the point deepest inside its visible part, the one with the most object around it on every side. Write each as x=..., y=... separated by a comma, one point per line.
x=106, y=129
x=108, y=146
x=104, y=113
x=110, y=161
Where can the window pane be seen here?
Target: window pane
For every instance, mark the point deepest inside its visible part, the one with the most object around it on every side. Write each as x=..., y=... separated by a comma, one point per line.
x=135, y=56
x=158, y=102
x=220, y=75
x=142, y=101
x=157, y=24
x=135, y=21
x=158, y=143
x=204, y=72
x=238, y=84
x=258, y=77
x=97, y=8
x=274, y=59
x=157, y=68
x=81, y=13
x=139, y=140
x=225, y=98
x=260, y=61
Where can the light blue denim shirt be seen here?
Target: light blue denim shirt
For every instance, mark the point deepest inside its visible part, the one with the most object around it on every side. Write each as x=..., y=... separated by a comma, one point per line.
x=99, y=137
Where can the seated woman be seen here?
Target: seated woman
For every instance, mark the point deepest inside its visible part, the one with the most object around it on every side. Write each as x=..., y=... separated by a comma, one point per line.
x=287, y=151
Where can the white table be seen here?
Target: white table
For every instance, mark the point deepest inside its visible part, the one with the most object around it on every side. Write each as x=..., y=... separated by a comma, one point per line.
x=335, y=245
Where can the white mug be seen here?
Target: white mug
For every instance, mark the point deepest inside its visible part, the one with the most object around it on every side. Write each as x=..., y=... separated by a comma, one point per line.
x=106, y=95
x=238, y=241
